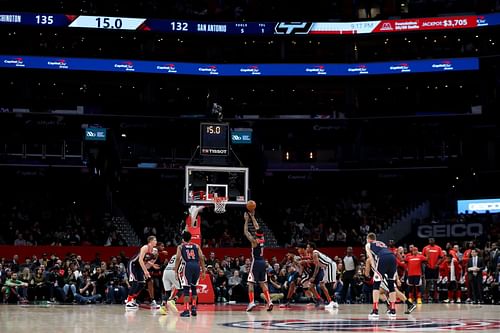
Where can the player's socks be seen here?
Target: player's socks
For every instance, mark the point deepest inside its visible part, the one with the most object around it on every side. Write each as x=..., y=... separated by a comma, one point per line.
x=375, y=306
x=251, y=297
x=393, y=305
x=267, y=296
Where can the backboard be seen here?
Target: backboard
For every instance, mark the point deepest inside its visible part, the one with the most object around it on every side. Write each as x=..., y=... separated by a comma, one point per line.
x=204, y=182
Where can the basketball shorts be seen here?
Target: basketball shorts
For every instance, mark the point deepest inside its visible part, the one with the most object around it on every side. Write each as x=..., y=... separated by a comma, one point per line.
x=257, y=272
x=319, y=277
x=169, y=280
x=330, y=275
x=431, y=273
x=136, y=274
x=191, y=275
x=414, y=280
x=386, y=267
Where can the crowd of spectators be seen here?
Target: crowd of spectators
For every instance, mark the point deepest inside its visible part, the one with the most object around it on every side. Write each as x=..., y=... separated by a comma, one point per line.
x=339, y=221
x=104, y=280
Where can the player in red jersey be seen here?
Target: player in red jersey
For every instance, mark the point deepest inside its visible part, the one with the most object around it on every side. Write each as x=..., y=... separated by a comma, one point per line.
x=450, y=273
x=414, y=263
x=434, y=255
x=465, y=262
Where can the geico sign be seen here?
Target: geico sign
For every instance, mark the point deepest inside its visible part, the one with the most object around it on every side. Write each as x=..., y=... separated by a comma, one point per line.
x=202, y=289
x=450, y=230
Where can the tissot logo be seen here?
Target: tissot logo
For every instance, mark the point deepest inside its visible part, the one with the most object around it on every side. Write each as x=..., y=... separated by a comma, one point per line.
x=292, y=28
x=127, y=65
x=18, y=62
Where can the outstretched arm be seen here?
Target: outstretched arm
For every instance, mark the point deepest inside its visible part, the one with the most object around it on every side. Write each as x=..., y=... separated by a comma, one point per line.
x=254, y=220
x=245, y=229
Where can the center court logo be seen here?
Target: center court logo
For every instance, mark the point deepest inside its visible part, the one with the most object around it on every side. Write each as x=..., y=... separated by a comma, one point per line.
x=211, y=70
x=363, y=325
x=18, y=62
x=126, y=65
x=319, y=70
x=60, y=63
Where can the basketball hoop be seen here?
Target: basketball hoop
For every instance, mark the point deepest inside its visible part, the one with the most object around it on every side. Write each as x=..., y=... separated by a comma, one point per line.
x=220, y=204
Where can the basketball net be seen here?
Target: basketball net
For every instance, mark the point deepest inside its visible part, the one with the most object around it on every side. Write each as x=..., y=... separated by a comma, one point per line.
x=220, y=204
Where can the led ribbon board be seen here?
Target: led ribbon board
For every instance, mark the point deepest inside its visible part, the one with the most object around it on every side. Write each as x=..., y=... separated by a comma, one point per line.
x=241, y=70
x=249, y=28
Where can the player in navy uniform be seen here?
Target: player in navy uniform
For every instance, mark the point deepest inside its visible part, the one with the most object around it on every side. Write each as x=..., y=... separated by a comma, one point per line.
x=138, y=272
x=192, y=258
x=384, y=265
x=258, y=268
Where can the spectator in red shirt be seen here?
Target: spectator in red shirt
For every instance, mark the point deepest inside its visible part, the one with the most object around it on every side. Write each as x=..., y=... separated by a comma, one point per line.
x=434, y=255
x=414, y=263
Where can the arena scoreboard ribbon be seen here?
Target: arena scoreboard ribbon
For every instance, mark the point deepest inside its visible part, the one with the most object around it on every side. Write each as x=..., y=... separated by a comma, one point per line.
x=248, y=28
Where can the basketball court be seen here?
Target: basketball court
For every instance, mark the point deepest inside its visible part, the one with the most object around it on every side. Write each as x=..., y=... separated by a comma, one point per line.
x=233, y=318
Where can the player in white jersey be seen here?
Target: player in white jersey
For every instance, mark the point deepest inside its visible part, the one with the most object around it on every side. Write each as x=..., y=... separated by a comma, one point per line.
x=171, y=284
x=322, y=261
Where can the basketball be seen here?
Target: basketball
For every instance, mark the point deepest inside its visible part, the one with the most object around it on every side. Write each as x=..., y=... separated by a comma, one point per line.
x=251, y=205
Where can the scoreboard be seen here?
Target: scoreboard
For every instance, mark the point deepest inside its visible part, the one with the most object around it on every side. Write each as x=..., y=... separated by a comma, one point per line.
x=214, y=139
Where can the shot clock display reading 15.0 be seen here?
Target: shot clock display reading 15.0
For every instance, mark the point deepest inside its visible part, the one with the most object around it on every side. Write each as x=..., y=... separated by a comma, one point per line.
x=214, y=139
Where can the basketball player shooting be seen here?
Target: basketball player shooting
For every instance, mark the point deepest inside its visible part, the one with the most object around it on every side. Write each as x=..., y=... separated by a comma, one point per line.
x=258, y=267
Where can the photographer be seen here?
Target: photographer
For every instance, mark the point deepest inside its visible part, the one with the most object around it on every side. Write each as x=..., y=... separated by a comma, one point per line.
x=117, y=286
x=274, y=286
x=86, y=291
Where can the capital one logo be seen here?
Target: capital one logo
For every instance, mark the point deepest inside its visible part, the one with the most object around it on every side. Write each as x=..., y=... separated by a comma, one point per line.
x=292, y=28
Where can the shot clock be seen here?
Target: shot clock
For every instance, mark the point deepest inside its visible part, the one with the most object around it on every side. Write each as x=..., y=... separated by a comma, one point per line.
x=214, y=139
